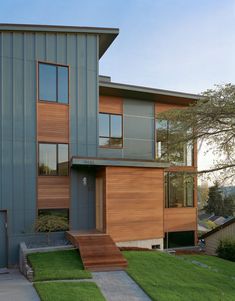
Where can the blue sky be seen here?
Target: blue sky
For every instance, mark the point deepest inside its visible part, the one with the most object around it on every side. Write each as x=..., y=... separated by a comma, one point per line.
x=185, y=45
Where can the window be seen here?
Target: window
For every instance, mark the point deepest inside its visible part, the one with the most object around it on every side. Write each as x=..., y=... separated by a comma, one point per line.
x=53, y=159
x=110, y=130
x=179, y=190
x=53, y=83
x=179, y=239
x=181, y=154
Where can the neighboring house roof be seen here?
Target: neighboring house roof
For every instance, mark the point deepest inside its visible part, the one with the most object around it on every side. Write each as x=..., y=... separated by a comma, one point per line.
x=203, y=216
x=106, y=35
x=226, y=224
x=213, y=218
x=130, y=91
x=220, y=220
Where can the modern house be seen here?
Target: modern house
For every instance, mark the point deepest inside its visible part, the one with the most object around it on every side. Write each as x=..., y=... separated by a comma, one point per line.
x=75, y=143
x=213, y=237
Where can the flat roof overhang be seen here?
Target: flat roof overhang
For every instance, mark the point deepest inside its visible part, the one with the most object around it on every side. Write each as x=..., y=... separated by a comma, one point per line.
x=86, y=161
x=106, y=35
x=145, y=93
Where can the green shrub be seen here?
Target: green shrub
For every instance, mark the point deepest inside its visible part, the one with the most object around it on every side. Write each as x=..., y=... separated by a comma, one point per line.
x=226, y=249
x=51, y=223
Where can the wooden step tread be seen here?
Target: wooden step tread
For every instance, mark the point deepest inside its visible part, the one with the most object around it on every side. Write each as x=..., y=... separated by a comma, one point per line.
x=98, y=251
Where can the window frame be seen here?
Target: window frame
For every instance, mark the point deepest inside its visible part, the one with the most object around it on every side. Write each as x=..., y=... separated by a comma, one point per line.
x=167, y=190
x=110, y=137
x=38, y=82
x=57, y=159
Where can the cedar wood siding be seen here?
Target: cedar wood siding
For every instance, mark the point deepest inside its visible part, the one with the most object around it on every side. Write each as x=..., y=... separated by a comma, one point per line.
x=134, y=203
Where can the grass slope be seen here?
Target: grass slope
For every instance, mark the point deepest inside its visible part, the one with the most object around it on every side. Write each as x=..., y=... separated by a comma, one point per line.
x=222, y=266
x=167, y=278
x=57, y=265
x=68, y=291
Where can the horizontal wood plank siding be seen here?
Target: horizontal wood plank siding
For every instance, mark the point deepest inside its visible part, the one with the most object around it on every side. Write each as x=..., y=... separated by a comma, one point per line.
x=134, y=203
x=53, y=122
x=180, y=219
x=111, y=104
x=162, y=107
x=53, y=192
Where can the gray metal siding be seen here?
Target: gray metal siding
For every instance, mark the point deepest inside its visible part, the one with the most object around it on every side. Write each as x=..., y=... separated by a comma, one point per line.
x=3, y=245
x=19, y=52
x=138, y=132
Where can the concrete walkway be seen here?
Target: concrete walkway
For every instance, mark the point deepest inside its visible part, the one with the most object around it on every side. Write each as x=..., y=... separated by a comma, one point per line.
x=118, y=286
x=15, y=287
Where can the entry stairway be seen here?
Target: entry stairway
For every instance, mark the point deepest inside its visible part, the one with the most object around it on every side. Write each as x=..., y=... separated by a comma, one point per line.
x=98, y=251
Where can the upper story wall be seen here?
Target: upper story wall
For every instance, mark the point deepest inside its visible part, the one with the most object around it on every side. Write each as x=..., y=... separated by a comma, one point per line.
x=139, y=121
x=19, y=53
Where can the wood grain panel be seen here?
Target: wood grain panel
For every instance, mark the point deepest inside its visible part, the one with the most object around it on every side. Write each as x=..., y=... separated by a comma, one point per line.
x=180, y=219
x=162, y=107
x=53, y=122
x=111, y=104
x=53, y=192
x=134, y=203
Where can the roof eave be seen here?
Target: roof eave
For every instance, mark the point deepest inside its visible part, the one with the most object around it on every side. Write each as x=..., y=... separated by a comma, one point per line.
x=106, y=35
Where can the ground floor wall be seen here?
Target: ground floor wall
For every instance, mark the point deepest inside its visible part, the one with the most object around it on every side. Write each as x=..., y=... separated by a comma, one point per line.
x=134, y=203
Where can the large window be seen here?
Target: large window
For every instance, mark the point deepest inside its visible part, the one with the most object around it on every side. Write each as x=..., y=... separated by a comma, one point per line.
x=179, y=190
x=53, y=159
x=53, y=83
x=110, y=130
x=179, y=154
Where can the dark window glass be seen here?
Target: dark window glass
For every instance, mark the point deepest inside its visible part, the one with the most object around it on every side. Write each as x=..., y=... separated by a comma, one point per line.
x=110, y=130
x=179, y=239
x=63, y=93
x=116, y=126
x=47, y=159
x=104, y=125
x=179, y=190
x=53, y=83
x=47, y=82
x=63, y=160
x=53, y=159
x=57, y=212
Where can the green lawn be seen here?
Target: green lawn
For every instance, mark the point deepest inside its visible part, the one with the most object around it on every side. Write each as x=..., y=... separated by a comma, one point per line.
x=68, y=291
x=57, y=265
x=168, y=278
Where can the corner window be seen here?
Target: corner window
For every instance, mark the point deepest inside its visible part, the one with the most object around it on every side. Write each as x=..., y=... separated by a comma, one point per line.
x=53, y=159
x=53, y=83
x=181, y=154
x=110, y=130
x=179, y=190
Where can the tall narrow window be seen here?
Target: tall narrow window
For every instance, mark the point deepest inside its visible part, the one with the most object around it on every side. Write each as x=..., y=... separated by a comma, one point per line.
x=110, y=130
x=53, y=159
x=53, y=83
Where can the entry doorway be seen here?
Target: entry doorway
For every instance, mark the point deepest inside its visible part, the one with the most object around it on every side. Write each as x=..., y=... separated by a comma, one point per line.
x=3, y=239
